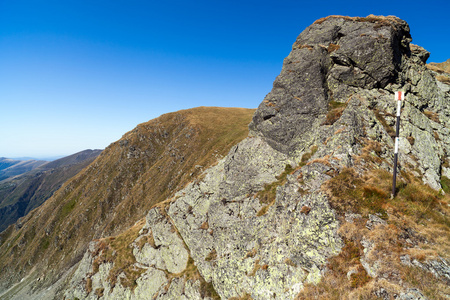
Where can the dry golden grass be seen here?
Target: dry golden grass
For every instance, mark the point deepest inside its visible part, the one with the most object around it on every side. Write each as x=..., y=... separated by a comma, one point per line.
x=443, y=67
x=307, y=156
x=246, y=296
x=335, y=112
x=321, y=160
x=389, y=129
x=305, y=210
x=443, y=79
x=301, y=46
x=119, y=251
x=257, y=267
x=370, y=153
x=251, y=253
x=212, y=255
x=332, y=47
x=417, y=223
x=432, y=116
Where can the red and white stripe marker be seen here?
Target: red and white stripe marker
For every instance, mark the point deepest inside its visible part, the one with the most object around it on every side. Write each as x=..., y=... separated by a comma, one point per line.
x=399, y=97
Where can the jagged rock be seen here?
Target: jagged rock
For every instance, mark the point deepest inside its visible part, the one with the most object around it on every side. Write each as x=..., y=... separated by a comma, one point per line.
x=359, y=62
x=327, y=59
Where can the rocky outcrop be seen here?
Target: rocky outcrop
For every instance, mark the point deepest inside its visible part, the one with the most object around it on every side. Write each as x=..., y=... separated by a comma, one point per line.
x=235, y=246
x=148, y=165
x=342, y=72
x=260, y=222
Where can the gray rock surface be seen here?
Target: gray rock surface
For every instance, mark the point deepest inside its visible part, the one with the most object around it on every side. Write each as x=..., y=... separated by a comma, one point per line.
x=333, y=100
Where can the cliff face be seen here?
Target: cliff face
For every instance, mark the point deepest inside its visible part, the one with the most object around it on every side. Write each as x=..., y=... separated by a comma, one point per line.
x=301, y=207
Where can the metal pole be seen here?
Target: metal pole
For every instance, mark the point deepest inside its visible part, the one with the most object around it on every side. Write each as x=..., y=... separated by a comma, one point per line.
x=399, y=96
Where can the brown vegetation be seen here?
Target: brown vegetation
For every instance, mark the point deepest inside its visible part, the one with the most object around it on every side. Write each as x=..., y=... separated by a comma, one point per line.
x=416, y=223
x=432, y=116
x=335, y=112
x=443, y=67
x=443, y=79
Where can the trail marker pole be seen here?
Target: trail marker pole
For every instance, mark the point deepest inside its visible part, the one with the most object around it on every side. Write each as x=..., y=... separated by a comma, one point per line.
x=399, y=96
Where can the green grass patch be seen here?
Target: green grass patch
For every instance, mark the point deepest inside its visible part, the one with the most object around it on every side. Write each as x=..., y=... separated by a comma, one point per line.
x=445, y=183
x=67, y=208
x=45, y=243
x=119, y=251
x=370, y=194
x=353, y=193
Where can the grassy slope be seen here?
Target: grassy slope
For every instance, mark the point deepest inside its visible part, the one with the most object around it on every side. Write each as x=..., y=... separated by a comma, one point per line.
x=145, y=167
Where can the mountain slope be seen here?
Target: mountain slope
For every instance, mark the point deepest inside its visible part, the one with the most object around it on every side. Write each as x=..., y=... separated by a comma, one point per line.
x=21, y=194
x=10, y=167
x=441, y=67
x=146, y=166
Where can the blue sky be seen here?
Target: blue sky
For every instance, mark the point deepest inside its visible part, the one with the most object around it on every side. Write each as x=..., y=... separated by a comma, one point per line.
x=77, y=75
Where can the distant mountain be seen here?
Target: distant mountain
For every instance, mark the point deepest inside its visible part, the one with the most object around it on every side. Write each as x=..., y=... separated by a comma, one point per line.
x=21, y=194
x=10, y=167
x=440, y=67
x=7, y=162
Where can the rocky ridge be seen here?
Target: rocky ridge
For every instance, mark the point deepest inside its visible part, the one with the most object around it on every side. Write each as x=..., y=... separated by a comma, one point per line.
x=261, y=224
x=299, y=209
x=10, y=167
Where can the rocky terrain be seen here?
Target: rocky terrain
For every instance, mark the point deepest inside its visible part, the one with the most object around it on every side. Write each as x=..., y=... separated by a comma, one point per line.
x=300, y=209
x=23, y=193
x=149, y=164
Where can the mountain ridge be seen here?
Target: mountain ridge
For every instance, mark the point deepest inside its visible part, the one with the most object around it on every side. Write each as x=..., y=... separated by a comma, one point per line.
x=298, y=208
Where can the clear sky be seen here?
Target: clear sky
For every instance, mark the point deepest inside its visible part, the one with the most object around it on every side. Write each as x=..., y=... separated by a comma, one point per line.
x=77, y=75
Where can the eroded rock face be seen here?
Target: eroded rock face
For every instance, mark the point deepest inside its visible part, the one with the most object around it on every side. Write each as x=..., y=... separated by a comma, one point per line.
x=338, y=59
x=239, y=245
x=330, y=53
x=244, y=251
